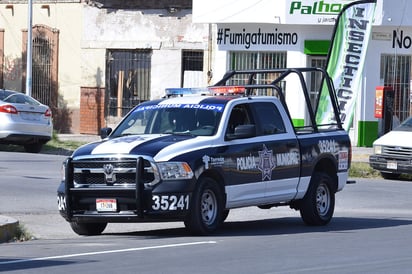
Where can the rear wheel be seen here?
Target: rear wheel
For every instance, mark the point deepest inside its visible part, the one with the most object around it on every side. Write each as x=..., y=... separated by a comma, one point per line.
x=319, y=202
x=206, y=211
x=33, y=148
x=88, y=229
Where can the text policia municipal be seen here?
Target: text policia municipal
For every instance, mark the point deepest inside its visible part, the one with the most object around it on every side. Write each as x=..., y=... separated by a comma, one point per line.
x=226, y=37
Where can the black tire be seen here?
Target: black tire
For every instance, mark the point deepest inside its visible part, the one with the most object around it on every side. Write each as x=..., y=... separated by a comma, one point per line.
x=390, y=176
x=88, y=229
x=317, y=206
x=206, y=210
x=33, y=148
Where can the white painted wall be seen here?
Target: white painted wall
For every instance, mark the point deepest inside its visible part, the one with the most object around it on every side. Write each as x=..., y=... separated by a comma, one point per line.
x=166, y=35
x=382, y=42
x=63, y=16
x=166, y=71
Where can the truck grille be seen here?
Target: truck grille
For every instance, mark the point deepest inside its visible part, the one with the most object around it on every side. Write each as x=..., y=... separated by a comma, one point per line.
x=397, y=152
x=107, y=171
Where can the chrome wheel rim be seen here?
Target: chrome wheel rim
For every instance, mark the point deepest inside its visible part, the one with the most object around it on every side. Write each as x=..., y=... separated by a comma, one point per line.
x=323, y=199
x=208, y=207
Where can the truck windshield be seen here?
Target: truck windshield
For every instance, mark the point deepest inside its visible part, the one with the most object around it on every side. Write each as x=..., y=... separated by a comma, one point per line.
x=152, y=119
x=405, y=125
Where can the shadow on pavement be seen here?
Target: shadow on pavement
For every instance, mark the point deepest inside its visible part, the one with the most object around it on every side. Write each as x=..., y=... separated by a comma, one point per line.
x=281, y=226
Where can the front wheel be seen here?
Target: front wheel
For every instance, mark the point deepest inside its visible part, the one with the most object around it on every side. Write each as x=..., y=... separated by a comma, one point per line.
x=88, y=229
x=206, y=211
x=319, y=202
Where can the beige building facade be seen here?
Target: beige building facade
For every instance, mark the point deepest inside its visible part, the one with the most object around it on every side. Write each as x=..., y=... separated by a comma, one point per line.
x=94, y=60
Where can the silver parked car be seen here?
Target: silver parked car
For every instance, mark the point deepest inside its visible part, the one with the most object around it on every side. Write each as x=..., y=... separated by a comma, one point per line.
x=24, y=121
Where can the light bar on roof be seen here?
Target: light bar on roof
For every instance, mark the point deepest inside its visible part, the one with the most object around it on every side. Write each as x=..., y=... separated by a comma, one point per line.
x=228, y=90
x=174, y=92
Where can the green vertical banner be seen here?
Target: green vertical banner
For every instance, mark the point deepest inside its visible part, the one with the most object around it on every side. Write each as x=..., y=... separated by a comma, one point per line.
x=346, y=60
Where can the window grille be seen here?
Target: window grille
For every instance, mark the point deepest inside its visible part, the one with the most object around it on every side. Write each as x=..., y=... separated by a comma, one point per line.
x=192, y=68
x=396, y=73
x=41, y=70
x=128, y=79
x=239, y=60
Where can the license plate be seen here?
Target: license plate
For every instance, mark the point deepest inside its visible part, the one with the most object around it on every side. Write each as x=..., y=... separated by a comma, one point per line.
x=392, y=165
x=106, y=205
x=30, y=116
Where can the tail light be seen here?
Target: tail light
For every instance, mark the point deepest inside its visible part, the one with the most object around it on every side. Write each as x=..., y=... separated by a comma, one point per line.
x=8, y=109
x=48, y=113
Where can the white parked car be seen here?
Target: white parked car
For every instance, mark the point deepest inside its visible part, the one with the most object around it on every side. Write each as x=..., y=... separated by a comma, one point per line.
x=24, y=121
x=393, y=151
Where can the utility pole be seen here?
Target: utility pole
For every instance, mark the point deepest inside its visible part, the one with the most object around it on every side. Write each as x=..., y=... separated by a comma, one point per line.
x=29, y=48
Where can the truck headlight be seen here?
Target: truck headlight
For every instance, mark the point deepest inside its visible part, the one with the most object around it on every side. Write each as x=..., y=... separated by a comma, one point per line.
x=174, y=170
x=377, y=149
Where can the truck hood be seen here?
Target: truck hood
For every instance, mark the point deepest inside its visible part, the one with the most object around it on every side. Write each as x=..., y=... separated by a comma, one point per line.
x=395, y=138
x=148, y=145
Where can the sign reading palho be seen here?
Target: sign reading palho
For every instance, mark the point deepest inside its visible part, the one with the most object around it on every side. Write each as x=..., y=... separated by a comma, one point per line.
x=346, y=60
x=314, y=11
x=285, y=12
x=316, y=7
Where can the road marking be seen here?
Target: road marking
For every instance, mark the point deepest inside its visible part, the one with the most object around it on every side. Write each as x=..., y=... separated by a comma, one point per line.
x=105, y=252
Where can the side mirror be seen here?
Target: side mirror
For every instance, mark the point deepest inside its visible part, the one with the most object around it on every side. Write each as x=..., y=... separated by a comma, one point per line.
x=104, y=132
x=243, y=131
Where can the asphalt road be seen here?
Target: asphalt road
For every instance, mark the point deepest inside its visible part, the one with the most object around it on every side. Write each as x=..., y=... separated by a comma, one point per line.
x=370, y=233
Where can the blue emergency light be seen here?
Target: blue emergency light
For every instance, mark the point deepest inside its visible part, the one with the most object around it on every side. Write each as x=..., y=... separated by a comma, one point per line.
x=174, y=92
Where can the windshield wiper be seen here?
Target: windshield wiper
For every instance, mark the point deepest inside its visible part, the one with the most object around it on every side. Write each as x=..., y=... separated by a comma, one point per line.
x=183, y=133
x=126, y=134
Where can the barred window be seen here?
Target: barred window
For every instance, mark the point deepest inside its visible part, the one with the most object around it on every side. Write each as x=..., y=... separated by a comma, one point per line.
x=240, y=60
x=396, y=72
x=316, y=78
x=128, y=79
x=192, y=68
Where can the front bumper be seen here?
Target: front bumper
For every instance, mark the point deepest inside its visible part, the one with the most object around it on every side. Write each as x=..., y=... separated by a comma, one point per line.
x=130, y=205
x=130, y=194
x=390, y=164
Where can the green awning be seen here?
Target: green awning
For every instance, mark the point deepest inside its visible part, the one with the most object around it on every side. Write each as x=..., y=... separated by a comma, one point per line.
x=317, y=47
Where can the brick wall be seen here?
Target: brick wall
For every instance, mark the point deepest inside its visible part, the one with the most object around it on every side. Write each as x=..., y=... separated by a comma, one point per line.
x=91, y=110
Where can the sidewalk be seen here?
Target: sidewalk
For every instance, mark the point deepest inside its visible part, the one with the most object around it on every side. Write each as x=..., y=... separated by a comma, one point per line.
x=8, y=225
x=361, y=154
x=78, y=137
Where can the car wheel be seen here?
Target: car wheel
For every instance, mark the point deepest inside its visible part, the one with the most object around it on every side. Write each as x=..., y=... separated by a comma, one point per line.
x=206, y=208
x=319, y=202
x=88, y=229
x=33, y=148
x=390, y=176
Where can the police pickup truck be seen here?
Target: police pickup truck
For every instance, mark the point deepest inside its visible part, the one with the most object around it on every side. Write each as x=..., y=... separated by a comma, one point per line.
x=195, y=154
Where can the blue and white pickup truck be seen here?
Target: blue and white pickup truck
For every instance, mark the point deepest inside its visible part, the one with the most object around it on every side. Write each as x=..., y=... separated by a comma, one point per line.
x=193, y=157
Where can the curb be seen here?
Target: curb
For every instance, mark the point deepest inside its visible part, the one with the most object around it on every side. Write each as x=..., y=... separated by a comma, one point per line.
x=8, y=228
x=78, y=137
